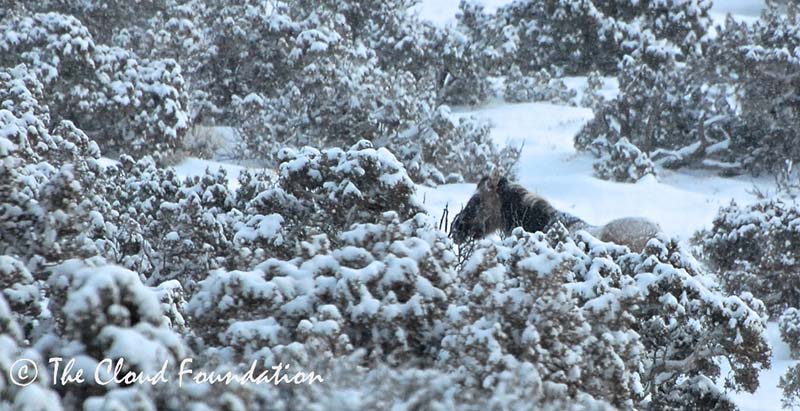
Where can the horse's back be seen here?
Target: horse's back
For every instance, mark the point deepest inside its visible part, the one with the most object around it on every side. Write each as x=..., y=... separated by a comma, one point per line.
x=633, y=232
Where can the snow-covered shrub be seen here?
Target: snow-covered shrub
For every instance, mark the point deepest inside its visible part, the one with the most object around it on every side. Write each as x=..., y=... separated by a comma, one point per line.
x=581, y=36
x=442, y=60
x=591, y=97
x=171, y=295
x=494, y=44
x=191, y=232
x=8, y=324
x=348, y=102
x=456, y=71
x=789, y=324
x=102, y=312
x=757, y=58
x=147, y=98
x=517, y=315
x=321, y=76
x=668, y=113
x=341, y=187
x=541, y=86
x=573, y=35
x=128, y=104
x=52, y=200
x=20, y=291
x=39, y=395
x=305, y=82
x=623, y=162
x=104, y=20
x=171, y=228
x=790, y=384
x=152, y=29
x=657, y=304
x=95, y=303
x=384, y=288
x=444, y=149
x=756, y=248
x=682, y=316
x=731, y=108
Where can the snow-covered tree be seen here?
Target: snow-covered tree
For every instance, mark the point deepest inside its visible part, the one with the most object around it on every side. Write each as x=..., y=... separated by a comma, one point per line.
x=516, y=314
x=668, y=114
x=789, y=324
x=764, y=68
x=729, y=108
x=584, y=35
x=38, y=395
x=591, y=97
x=128, y=104
x=382, y=289
x=754, y=248
x=446, y=149
x=541, y=86
x=493, y=45
x=104, y=312
x=21, y=292
x=623, y=162
x=649, y=312
x=52, y=199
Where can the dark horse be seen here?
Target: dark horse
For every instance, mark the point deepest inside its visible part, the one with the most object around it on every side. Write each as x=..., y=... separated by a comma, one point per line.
x=499, y=204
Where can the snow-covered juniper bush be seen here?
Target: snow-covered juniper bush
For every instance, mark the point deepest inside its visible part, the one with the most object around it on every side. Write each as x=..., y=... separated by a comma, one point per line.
x=729, y=106
x=124, y=102
x=756, y=248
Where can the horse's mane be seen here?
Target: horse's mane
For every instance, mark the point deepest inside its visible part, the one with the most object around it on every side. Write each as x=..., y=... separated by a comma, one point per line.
x=500, y=204
x=521, y=207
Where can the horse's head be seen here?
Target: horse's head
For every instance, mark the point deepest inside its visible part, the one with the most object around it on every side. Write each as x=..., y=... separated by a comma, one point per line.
x=482, y=214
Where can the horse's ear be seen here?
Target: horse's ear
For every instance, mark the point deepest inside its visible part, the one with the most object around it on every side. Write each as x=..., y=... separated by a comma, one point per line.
x=495, y=177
